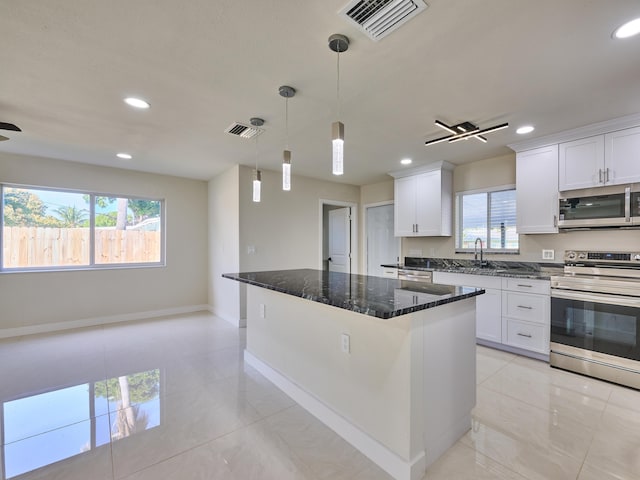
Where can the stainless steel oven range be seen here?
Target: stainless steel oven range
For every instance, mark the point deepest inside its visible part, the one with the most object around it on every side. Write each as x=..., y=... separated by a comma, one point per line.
x=595, y=316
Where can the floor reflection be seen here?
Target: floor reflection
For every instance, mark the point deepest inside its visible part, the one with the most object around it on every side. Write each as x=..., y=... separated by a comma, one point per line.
x=42, y=429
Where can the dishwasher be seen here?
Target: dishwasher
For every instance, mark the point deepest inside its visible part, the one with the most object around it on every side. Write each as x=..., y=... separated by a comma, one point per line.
x=425, y=276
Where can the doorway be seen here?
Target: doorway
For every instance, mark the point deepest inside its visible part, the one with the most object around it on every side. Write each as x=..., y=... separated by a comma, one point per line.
x=338, y=232
x=382, y=247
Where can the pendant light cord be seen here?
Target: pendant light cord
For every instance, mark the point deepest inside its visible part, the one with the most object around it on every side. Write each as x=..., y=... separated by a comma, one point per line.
x=257, y=153
x=286, y=121
x=338, y=83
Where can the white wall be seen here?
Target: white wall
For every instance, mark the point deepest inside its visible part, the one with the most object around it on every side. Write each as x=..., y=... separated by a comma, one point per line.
x=44, y=301
x=285, y=227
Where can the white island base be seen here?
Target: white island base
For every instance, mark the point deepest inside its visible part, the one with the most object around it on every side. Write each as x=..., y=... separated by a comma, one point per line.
x=402, y=395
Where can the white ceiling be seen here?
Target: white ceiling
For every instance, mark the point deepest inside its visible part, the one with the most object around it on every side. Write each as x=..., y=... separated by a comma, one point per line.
x=66, y=65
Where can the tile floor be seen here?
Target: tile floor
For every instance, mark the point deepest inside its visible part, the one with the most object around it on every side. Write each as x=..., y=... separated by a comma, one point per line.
x=171, y=398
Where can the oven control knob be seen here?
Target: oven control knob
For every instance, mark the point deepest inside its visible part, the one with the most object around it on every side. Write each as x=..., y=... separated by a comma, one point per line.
x=582, y=256
x=636, y=257
x=571, y=255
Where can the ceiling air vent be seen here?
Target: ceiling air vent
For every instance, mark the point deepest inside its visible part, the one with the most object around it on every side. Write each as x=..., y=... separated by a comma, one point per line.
x=378, y=18
x=243, y=131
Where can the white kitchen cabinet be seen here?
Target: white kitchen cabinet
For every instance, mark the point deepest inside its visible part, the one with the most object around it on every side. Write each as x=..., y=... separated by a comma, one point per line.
x=622, y=156
x=609, y=159
x=581, y=163
x=405, y=204
x=514, y=312
x=423, y=203
x=526, y=314
x=488, y=305
x=537, y=190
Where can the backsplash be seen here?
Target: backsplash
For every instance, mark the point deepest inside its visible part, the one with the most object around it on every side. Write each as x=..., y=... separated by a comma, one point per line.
x=531, y=246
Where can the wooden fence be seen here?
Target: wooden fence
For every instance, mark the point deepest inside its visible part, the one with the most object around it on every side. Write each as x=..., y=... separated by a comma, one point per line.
x=41, y=247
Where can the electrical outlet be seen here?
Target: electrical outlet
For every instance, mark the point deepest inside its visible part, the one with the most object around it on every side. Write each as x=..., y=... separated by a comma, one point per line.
x=345, y=343
x=263, y=311
x=548, y=254
x=251, y=249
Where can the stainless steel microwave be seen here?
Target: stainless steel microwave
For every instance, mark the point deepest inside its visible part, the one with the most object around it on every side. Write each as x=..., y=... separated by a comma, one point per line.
x=595, y=208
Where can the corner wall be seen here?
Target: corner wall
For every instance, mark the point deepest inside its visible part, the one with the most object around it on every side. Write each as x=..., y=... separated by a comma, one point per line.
x=226, y=297
x=43, y=301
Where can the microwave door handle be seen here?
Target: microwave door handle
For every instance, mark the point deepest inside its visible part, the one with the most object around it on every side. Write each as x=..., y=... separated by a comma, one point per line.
x=627, y=204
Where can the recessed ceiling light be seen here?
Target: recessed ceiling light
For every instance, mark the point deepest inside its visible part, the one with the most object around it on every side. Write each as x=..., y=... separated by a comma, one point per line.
x=124, y=156
x=525, y=129
x=136, y=102
x=406, y=161
x=628, y=29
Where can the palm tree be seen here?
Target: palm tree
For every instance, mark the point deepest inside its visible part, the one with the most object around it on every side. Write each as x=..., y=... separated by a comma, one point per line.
x=72, y=217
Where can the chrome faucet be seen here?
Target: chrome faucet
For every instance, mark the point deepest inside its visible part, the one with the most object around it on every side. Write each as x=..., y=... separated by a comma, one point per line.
x=475, y=251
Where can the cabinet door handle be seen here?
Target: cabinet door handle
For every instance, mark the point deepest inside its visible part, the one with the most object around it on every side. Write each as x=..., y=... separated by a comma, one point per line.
x=599, y=175
x=525, y=306
x=606, y=178
x=627, y=204
x=417, y=228
x=524, y=335
x=524, y=285
x=555, y=220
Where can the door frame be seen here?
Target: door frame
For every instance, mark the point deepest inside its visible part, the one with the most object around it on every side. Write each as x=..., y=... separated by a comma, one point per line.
x=365, y=245
x=354, y=231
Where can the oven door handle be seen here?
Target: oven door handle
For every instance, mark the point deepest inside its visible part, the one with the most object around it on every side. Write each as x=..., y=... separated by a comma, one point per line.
x=596, y=298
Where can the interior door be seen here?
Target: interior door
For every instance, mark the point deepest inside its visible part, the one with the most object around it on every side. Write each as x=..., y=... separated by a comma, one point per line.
x=340, y=240
x=383, y=247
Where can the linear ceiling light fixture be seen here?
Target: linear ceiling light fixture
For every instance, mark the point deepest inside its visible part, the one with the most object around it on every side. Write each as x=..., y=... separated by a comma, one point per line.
x=338, y=43
x=286, y=92
x=464, y=131
x=257, y=174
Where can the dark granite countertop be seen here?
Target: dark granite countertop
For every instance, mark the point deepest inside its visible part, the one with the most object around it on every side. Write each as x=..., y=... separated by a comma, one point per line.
x=374, y=296
x=536, y=271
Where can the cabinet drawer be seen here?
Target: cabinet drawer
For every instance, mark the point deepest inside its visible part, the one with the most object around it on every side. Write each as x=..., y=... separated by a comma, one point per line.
x=527, y=335
x=526, y=285
x=523, y=306
x=389, y=272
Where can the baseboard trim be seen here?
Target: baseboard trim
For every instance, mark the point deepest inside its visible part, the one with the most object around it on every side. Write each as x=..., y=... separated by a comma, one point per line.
x=96, y=321
x=386, y=459
x=236, y=322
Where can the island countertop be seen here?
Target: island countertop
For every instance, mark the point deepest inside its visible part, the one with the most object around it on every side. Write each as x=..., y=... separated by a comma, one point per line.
x=374, y=296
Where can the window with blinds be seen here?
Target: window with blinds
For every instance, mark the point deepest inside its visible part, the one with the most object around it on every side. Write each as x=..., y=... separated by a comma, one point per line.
x=489, y=215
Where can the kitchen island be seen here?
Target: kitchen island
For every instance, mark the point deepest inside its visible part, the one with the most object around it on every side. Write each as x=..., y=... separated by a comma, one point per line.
x=389, y=365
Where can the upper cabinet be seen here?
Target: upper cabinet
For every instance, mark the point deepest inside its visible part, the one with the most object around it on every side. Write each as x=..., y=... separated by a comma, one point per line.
x=622, y=156
x=581, y=163
x=423, y=201
x=537, y=190
x=609, y=159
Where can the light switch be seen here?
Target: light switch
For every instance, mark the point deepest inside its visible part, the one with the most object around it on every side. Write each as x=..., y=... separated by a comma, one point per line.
x=345, y=342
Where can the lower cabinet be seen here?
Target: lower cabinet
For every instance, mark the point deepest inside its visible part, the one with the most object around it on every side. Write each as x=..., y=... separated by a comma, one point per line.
x=513, y=311
x=488, y=306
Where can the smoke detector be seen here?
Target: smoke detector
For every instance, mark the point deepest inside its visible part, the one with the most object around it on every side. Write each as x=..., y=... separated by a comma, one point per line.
x=378, y=18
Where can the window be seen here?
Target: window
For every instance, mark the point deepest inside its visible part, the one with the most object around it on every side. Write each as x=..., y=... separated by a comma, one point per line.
x=55, y=229
x=488, y=215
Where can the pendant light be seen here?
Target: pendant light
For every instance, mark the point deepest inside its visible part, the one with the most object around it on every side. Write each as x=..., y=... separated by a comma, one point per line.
x=257, y=174
x=338, y=43
x=286, y=92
